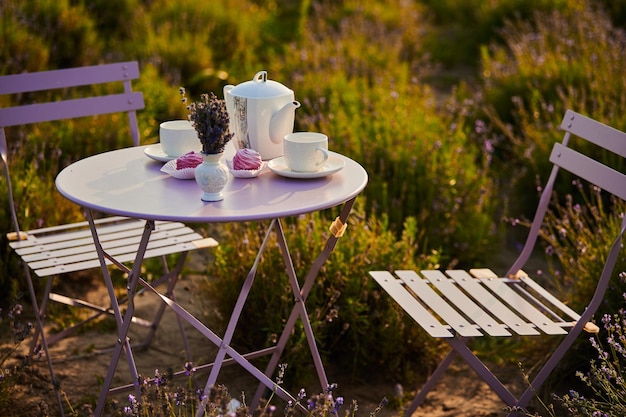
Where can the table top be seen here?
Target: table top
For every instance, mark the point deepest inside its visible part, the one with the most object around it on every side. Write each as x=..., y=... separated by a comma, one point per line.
x=126, y=182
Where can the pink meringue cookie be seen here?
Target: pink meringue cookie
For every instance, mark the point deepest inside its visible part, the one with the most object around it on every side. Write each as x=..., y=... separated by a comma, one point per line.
x=247, y=159
x=188, y=160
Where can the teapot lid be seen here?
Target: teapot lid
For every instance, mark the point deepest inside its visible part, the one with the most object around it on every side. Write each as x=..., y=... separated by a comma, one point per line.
x=260, y=87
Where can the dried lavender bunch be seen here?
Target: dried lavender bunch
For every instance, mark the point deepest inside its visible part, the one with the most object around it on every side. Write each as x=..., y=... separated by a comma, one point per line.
x=210, y=119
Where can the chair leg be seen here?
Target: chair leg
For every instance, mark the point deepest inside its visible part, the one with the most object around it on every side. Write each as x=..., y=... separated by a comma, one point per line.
x=41, y=334
x=551, y=363
x=430, y=383
x=479, y=367
x=41, y=312
x=460, y=348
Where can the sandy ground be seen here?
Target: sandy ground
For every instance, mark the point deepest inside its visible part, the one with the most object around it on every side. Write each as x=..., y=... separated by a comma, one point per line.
x=81, y=370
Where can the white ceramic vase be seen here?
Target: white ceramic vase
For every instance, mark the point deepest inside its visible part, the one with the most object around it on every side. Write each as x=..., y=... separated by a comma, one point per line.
x=212, y=176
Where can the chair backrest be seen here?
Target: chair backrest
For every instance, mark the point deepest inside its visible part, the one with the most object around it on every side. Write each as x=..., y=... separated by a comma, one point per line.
x=128, y=101
x=569, y=157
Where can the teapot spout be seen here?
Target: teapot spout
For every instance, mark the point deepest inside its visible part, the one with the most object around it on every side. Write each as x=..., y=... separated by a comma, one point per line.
x=282, y=121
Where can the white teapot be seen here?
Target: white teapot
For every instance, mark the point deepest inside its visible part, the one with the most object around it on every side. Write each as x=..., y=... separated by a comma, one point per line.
x=261, y=113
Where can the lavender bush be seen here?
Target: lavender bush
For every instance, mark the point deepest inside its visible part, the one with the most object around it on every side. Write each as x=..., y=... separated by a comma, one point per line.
x=606, y=377
x=19, y=330
x=578, y=233
x=18, y=371
x=605, y=381
x=160, y=398
x=566, y=59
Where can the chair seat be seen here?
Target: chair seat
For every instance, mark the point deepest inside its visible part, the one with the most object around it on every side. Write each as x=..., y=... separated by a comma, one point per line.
x=476, y=303
x=70, y=248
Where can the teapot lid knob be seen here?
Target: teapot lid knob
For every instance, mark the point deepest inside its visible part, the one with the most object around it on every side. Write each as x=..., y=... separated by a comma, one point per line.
x=260, y=77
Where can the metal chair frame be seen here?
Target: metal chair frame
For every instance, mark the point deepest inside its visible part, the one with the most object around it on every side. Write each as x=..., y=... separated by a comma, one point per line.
x=457, y=306
x=51, y=251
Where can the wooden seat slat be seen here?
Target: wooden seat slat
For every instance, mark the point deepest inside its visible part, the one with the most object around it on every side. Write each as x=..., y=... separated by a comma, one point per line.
x=87, y=245
x=95, y=263
x=114, y=250
x=417, y=311
x=437, y=304
x=522, y=306
x=549, y=297
x=105, y=232
x=465, y=304
x=496, y=307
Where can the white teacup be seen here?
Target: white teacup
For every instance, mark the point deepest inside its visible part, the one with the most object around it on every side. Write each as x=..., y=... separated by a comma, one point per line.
x=178, y=137
x=305, y=151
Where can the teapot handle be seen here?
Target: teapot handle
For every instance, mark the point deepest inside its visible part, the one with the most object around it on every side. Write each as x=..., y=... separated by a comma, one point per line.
x=228, y=98
x=260, y=77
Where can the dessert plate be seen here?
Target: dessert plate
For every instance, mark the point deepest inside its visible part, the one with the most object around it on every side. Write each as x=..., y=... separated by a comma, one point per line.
x=244, y=173
x=156, y=152
x=335, y=163
x=180, y=174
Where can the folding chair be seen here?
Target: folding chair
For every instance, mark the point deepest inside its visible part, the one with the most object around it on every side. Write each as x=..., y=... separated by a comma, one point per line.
x=457, y=305
x=52, y=251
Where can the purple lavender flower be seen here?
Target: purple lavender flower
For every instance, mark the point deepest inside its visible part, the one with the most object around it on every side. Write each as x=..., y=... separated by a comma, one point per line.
x=301, y=394
x=189, y=369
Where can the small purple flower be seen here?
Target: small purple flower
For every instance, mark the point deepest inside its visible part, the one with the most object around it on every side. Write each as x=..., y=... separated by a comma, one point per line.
x=479, y=126
x=189, y=369
x=338, y=404
x=200, y=394
x=179, y=399
x=15, y=311
x=159, y=380
x=301, y=394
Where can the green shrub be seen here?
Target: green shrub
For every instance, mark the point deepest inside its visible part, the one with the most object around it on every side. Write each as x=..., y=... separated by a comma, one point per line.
x=421, y=163
x=461, y=27
x=570, y=59
x=605, y=378
x=64, y=31
x=578, y=235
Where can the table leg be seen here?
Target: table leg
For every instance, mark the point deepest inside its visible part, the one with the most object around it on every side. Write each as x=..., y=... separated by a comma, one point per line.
x=234, y=318
x=123, y=323
x=299, y=309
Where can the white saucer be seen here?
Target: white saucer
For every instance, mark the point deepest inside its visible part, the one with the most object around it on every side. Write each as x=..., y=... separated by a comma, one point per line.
x=156, y=152
x=335, y=163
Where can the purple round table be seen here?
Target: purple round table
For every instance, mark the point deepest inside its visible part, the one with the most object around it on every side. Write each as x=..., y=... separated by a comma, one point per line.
x=126, y=182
